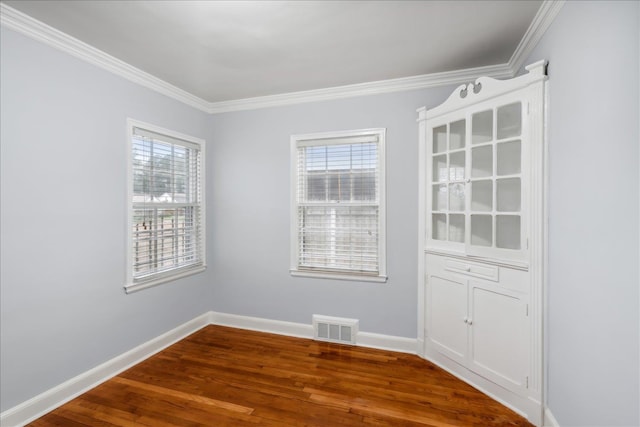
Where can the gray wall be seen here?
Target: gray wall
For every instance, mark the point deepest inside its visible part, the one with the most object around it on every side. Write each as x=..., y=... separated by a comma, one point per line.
x=593, y=50
x=63, y=182
x=249, y=213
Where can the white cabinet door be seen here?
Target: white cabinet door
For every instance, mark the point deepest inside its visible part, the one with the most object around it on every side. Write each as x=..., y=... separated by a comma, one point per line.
x=499, y=336
x=446, y=316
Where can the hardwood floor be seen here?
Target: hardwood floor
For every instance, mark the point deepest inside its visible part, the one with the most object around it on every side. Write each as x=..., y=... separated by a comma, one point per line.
x=223, y=376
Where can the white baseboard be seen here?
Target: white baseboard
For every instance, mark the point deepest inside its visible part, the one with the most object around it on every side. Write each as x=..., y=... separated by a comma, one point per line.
x=259, y=324
x=302, y=330
x=387, y=342
x=549, y=419
x=45, y=402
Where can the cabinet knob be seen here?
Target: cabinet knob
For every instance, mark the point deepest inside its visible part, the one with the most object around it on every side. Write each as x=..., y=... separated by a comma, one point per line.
x=470, y=322
x=465, y=320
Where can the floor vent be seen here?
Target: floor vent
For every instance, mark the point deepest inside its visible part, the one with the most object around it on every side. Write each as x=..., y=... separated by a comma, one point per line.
x=335, y=329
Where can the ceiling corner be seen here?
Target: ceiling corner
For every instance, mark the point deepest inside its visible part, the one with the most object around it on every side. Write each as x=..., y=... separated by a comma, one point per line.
x=541, y=22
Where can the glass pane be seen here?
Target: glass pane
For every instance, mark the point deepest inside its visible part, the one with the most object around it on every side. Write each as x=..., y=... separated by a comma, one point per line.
x=339, y=186
x=457, y=135
x=509, y=120
x=338, y=173
x=338, y=157
x=481, y=230
x=163, y=172
x=456, y=228
x=508, y=194
x=165, y=239
x=440, y=139
x=509, y=158
x=456, y=166
x=343, y=237
x=439, y=226
x=482, y=127
x=456, y=197
x=316, y=186
x=439, y=197
x=364, y=184
x=508, y=231
x=482, y=161
x=440, y=168
x=482, y=195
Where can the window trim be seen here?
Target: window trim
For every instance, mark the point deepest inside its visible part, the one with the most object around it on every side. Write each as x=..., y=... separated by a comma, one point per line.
x=310, y=139
x=132, y=285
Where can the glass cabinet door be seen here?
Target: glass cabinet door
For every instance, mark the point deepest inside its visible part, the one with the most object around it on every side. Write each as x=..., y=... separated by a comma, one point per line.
x=496, y=177
x=448, y=192
x=476, y=180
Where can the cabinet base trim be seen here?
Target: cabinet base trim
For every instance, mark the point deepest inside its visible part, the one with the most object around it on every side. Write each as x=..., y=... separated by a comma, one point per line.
x=528, y=407
x=549, y=419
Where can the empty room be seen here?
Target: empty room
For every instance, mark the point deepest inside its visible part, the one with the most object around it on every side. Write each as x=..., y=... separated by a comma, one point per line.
x=320, y=213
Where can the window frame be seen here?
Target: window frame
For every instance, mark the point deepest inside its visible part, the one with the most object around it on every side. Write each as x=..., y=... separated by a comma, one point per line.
x=310, y=139
x=154, y=279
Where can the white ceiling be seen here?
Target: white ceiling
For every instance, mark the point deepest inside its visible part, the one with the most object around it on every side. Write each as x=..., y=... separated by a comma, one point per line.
x=229, y=50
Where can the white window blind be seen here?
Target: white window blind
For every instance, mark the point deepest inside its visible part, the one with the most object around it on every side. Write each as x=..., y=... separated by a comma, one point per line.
x=166, y=215
x=338, y=203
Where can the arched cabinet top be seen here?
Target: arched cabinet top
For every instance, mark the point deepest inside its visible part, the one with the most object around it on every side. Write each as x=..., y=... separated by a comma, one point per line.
x=485, y=88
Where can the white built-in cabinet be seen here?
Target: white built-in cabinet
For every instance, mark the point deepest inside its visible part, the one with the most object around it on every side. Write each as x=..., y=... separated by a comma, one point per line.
x=482, y=227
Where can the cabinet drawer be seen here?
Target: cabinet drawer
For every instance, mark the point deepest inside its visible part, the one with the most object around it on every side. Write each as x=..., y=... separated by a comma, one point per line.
x=489, y=272
x=503, y=277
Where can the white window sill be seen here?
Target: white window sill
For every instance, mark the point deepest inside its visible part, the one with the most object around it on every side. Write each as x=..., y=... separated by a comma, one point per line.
x=338, y=276
x=135, y=287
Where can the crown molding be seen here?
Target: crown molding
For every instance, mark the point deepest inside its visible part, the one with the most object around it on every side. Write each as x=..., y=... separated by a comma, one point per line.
x=25, y=24
x=370, y=88
x=543, y=19
x=22, y=23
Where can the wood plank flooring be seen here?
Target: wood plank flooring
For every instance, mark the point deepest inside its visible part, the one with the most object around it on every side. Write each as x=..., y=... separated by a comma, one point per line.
x=223, y=376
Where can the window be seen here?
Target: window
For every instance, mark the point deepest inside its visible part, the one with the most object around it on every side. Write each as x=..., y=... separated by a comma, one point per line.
x=338, y=202
x=166, y=206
